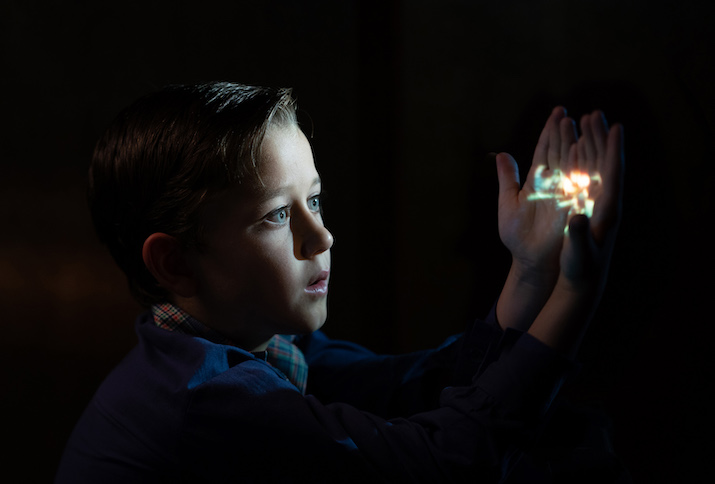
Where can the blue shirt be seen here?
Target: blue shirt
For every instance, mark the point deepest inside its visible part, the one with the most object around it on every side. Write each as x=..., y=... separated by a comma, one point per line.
x=180, y=408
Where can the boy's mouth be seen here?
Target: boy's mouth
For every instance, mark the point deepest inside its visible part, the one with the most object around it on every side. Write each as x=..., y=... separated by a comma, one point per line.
x=319, y=286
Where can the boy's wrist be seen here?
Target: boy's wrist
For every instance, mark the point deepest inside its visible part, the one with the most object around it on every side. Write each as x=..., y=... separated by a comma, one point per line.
x=583, y=287
x=531, y=275
x=525, y=292
x=584, y=292
x=566, y=315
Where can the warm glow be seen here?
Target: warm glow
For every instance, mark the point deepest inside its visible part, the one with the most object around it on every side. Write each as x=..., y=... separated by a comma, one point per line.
x=568, y=190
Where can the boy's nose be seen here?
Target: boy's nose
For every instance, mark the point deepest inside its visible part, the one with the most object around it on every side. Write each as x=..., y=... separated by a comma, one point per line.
x=321, y=242
x=313, y=237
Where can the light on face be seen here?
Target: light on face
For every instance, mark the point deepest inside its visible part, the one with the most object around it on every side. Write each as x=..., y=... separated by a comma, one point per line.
x=569, y=190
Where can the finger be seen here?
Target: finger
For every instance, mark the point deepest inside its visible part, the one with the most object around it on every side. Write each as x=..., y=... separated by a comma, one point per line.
x=578, y=231
x=613, y=167
x=581, y=245
x=573, y=157
x=582, y=158
x=608, y=207
x=554, y=151
x=541, y=153
x=600, y=133
x=508, y=175
x=589, y=147
x=568, y=139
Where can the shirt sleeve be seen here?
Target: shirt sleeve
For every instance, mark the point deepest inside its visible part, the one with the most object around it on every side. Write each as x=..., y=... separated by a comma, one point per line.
x=398, y=385
x=470, y=437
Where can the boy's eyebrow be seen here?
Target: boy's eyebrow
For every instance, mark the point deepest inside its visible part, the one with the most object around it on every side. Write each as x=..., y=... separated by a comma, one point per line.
x=267, y=194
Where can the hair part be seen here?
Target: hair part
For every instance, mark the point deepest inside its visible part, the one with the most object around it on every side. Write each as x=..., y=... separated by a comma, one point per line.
x=165, y=156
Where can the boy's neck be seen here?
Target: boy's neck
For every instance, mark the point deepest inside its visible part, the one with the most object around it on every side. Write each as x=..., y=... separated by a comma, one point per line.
x=250, y=342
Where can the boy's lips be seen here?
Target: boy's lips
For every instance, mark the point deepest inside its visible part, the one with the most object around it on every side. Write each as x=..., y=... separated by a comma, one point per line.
x=319, y=286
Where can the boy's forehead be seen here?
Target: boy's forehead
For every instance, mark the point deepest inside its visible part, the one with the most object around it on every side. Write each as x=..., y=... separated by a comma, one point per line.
x=283, y=187
x=285, y=165
x=286, y=162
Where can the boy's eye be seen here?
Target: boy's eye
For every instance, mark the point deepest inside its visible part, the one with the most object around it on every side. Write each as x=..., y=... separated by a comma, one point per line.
x=279, y=216
x=314, y=203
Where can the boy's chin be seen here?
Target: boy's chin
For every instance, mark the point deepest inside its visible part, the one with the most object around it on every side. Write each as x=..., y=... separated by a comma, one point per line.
x=316, y=319
x=306, y=321
x=312, y=326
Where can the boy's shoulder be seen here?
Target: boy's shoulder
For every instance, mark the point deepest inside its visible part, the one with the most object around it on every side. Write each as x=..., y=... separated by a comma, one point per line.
x=162, y=392
x=156, y=383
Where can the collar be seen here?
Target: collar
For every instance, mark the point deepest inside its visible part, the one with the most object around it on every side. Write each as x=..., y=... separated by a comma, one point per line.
x=173, y=318
x=281, y=353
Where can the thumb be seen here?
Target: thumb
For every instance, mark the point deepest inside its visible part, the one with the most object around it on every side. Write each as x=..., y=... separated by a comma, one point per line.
x=581, y=244
x=579, y=227
x=508, y=175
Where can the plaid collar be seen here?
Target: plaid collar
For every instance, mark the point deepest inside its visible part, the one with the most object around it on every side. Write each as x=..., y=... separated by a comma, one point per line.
x=173, y=318
x=281, y=353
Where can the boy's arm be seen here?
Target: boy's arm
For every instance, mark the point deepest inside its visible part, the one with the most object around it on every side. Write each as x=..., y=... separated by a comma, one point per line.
x=279, y=434
x=396, y=385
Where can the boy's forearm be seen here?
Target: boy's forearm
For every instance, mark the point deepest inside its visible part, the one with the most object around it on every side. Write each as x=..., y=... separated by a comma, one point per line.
x=564, y=319
x=523, y=296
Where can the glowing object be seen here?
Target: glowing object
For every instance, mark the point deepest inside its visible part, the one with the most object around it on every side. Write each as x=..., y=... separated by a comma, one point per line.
x=568, y=190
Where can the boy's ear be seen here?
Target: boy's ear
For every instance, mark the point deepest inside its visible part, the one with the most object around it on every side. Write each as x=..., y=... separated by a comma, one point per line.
x=167, y=262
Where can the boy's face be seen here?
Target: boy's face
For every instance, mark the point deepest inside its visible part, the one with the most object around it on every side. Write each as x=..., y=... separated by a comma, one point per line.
x=266, y=262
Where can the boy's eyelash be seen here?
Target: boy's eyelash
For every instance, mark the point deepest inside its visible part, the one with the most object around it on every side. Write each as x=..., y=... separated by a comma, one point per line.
x=316, y=198
x=276, y=212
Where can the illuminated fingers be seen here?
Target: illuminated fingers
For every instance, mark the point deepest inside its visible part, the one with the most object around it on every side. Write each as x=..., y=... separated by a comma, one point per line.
x=613, y=167
x=548, y=148
x=612, y=174
x=600, y=133
x=568, y=143
x=607, y=161
x=582, y=175
x=587, y=145
x=553, y=125
x=573, y=157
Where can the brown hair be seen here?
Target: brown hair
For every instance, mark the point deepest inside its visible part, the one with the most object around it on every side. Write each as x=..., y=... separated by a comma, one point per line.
x=166, y=155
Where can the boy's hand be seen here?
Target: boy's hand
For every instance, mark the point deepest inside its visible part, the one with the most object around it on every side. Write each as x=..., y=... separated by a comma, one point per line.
x=588, y=246
x=533, y=229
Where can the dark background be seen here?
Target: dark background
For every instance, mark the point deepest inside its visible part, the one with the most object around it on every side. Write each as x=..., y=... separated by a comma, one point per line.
x=406, y=99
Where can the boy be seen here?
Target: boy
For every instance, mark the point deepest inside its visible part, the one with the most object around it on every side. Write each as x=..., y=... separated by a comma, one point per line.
x=208, y=198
